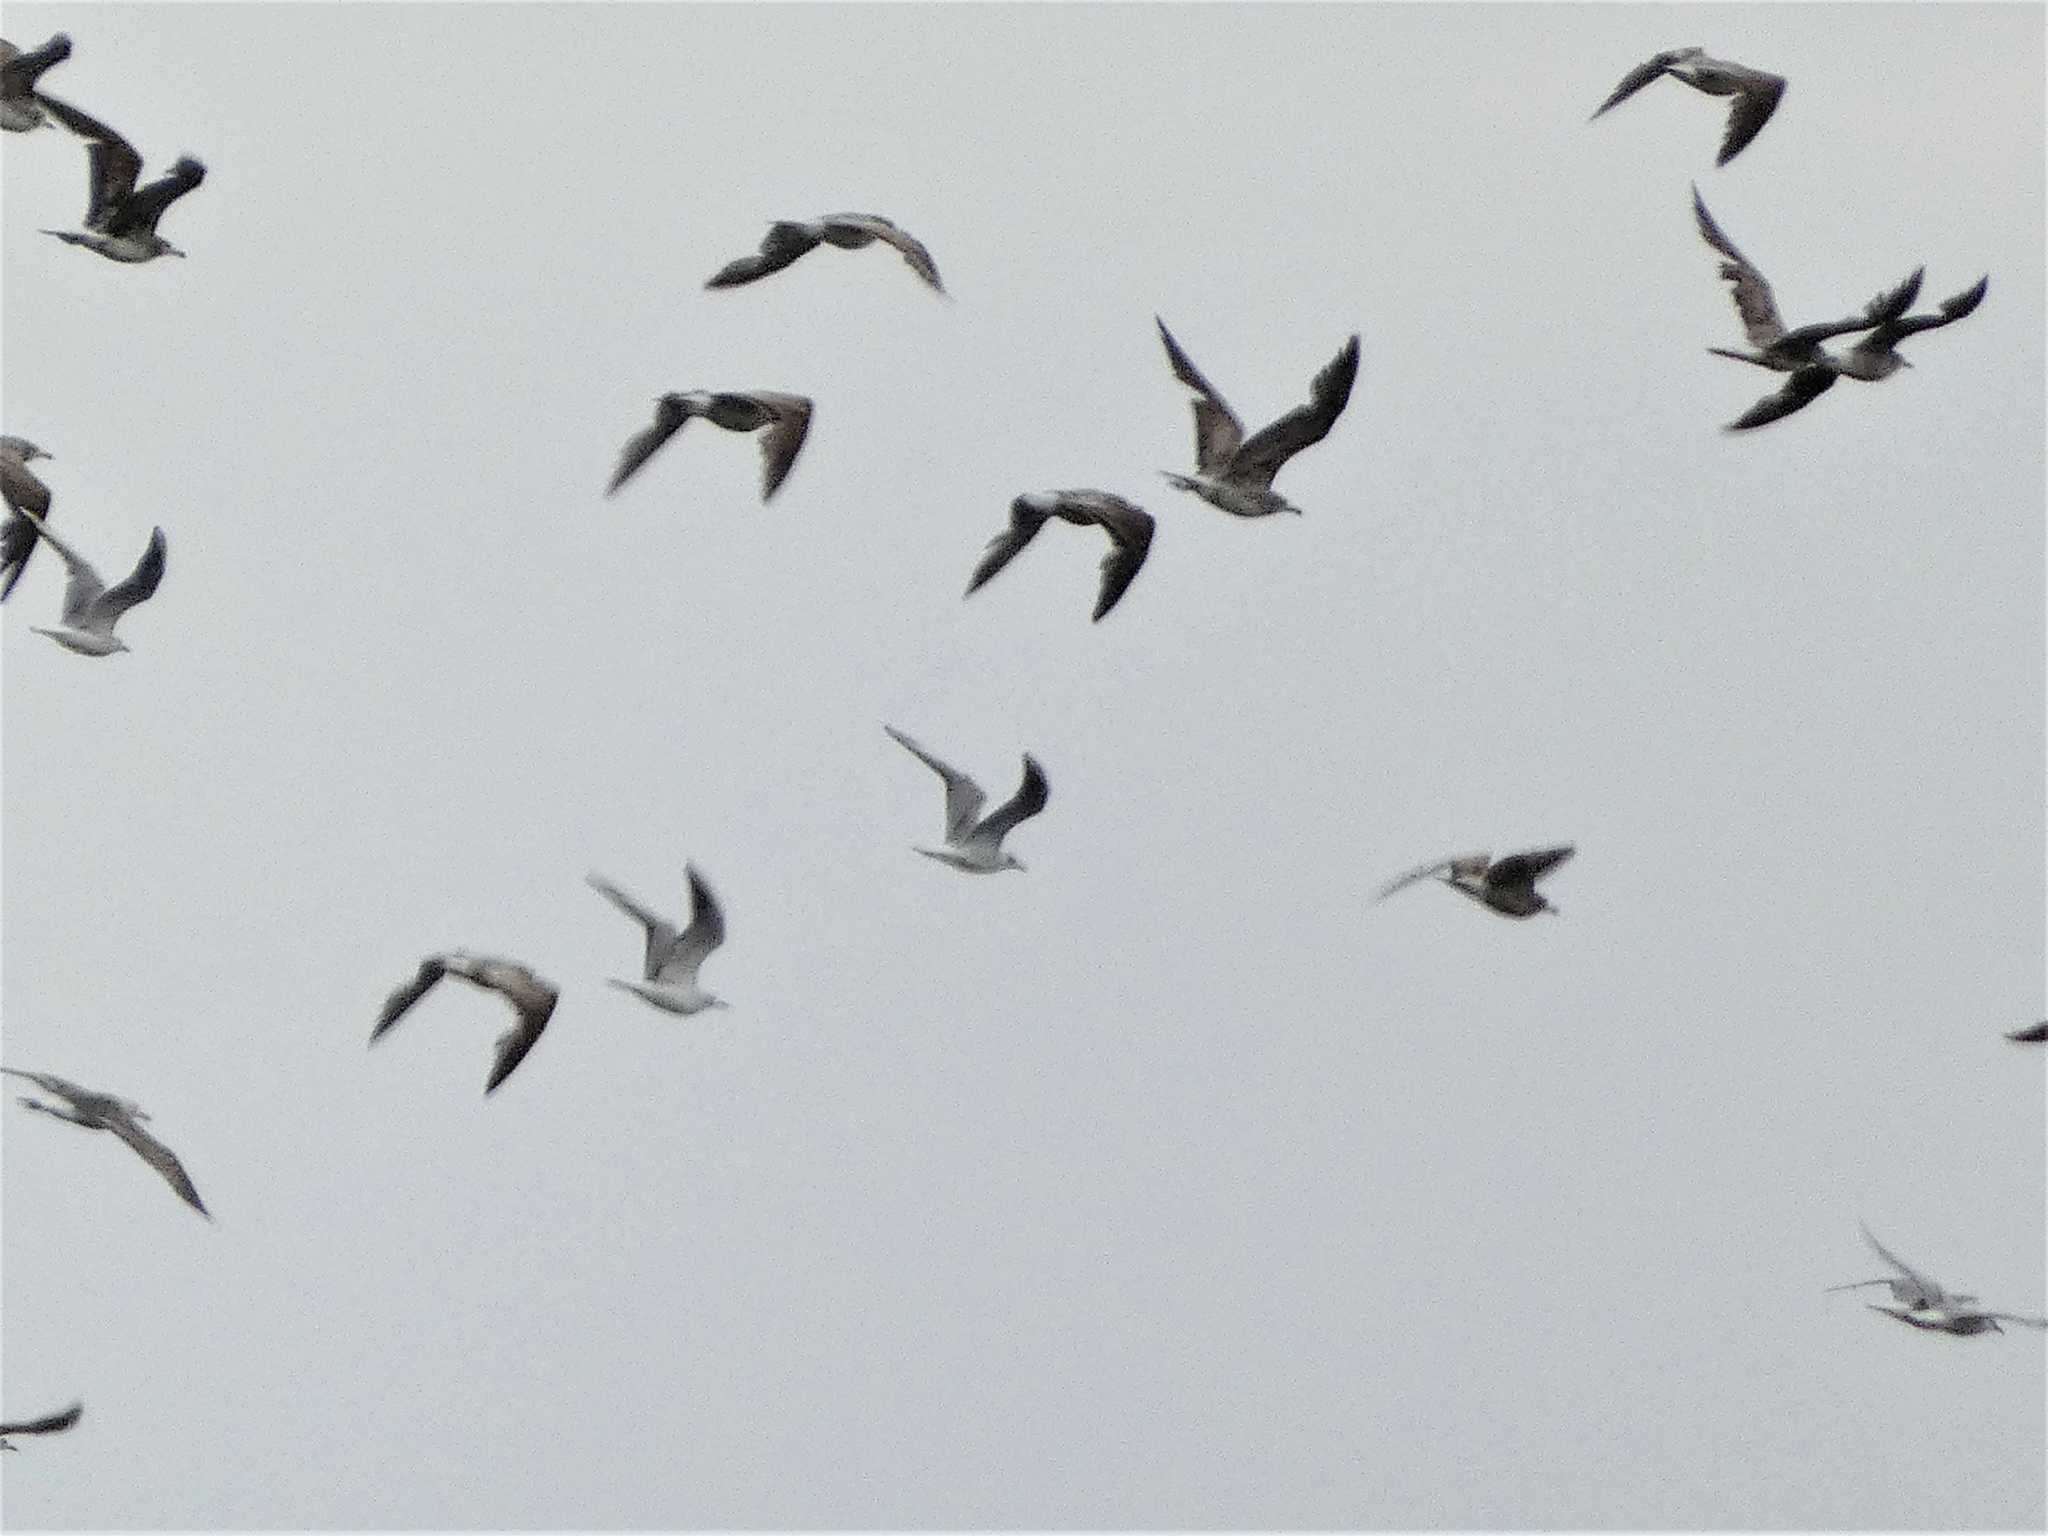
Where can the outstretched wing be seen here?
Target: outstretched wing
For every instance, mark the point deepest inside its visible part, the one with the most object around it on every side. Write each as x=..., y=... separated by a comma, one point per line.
x=1635, y=80
x=56, y=1421
x=1027, y=802
x=1262, y=454
x=705, y=933
x=1952, y=309
x=1930, y=1292
x=661, y=933
x=1751, y=109
x=963, y=796
x=789, y=422
x=161, y=1158
x=140, y=584
x=890, y=233
x=1420, y=873
x=84, y=589
x=431, y=970
x=784, y=242
x=669, y=417
x=1026, y=518
x=1130, y=540
x=1218, y=432
x=1753, y=301
x=1881, y=311
x=113, y=163
x=1800, y=388
x=1526, y=868
x=2033, y=1034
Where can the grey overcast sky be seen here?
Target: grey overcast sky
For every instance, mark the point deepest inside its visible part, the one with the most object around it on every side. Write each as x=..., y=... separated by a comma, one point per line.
x=1171, y=1183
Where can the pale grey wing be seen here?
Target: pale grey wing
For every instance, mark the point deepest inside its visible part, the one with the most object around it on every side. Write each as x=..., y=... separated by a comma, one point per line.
x=2033, y=1034
x=1635, y=80
x=1751, y=109
x=641, y=447
x=1217, y=429
x=1027, y=802
x=1419, y=873
x=963, y=796
x=63, y=1419
x=113, y=163
x=1130, y=540
x=142, y=208
x=1025, y=521
x=1881, y=310
x=784, y=242
x=783, y=438
x=1928, y=1289
x=431, y=970
x=1259, y=458
x=161, y=1158
x=84, y=588
x=1526, y=868
x=138, y=586
x=661, y=933
x=705, y=933
x=1802, y=387
x=1753, y=301
x=908, y=247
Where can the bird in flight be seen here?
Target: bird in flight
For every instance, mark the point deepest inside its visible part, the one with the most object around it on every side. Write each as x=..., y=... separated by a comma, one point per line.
x=976, y=845
x=786, y=417
x=787, y=239
x=1507, y=885
x=21, y=490
x=1234, y=472
x=49, y=1426
x=91, y=607
x=121, y=218
x=1756, y=91
x=1129, y=528
x=103, y=1112
x=1794, y=351
x=1922, y=1302
x=22, y=106
x=531, y=998
x=672, y=958
x=2033, y=1034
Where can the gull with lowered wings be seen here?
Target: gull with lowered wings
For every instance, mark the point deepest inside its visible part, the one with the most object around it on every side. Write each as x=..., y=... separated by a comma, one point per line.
x=91, y=607
x=787, y=239
x=121, y=218
x=1922, y=1303
x=672, y=957
x=1756, y=91
x=1507, y=885
x=103, y=1112
x=1235, y=473
x=1129, y=528
x=787, y=418
x=532, y=999
x=976, y=845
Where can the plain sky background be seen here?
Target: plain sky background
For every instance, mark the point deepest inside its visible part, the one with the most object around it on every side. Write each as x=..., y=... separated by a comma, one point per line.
x=1171, y=1182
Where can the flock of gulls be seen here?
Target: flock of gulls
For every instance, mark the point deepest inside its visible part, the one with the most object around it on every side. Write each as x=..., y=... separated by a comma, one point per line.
x=1233, y=472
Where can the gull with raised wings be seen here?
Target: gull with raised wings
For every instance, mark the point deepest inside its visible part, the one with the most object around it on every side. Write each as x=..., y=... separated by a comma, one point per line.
x=532, y=999
x=91, y=607
x=49, y=1426
x=1756, y=91
x=786, y=417
x=1129, y=528
x=121, y=218
x=1234, y=472
x=975, y=842
x=1922, y=1302
x=672, y=957
x=22, y=106
x=787, y=239
x=1507, y=885
x=21, y=490
x=103, y=1112
x=1789, y=350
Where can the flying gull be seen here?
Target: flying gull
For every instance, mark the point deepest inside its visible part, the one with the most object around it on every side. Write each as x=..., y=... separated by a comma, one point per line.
x=531, y=998
x=2033, y=1034
x=121, y=218
x=977, y=846
x=788, y=239
x=91, y=607
x=1234, y=472
x=21, y=490
x=1874, y=356
x=1756, y=91
x=56, y=1421
x=1922, y=1302
x=1129, y=528
x=787, y=418
x=104, y=1112
x=21, y=105
x=672, y=958
x=1507, y=885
